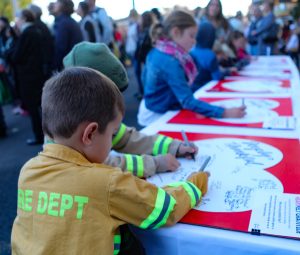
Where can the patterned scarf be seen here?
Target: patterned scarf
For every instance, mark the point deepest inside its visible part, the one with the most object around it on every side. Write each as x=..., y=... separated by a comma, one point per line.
x=186, y=61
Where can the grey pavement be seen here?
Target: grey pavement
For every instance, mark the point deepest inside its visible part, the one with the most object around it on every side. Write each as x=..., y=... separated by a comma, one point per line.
x=14, y=153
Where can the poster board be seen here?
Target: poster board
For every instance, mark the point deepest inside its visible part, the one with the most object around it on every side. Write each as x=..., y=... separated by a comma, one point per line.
x=259, y=112
x=252, y=86
x=280, y=67
x=245, y=172
x=279, y=74
x=268, y=67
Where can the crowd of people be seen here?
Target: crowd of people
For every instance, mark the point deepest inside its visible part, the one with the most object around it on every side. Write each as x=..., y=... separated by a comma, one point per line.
x=30, y=52
x=69, y=80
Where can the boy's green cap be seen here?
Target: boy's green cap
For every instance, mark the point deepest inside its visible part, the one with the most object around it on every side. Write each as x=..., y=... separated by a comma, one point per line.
x=99, y=57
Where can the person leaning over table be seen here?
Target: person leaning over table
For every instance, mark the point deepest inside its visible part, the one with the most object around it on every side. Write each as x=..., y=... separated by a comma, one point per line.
x=170, y=71
x=205, y=58
x=69, y=202
x=143, y=155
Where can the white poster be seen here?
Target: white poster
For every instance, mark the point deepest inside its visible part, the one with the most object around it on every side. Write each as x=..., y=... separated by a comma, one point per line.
x=255, y=86
x=237, y=169
x=263, y=73
x=267, y=67
x=258, y=110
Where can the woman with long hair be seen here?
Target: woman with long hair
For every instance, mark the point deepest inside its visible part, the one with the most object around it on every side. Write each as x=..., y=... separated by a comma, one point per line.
x=214, y=14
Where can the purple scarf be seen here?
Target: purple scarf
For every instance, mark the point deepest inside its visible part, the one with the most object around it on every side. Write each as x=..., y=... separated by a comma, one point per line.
x=186, y=61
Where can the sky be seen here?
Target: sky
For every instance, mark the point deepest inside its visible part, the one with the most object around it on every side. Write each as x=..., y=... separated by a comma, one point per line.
x=118, y=9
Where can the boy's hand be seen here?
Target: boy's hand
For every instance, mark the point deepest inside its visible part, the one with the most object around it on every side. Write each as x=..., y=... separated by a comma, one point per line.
x=200, y=179
x=166, y=163
x=186, y=151
x=235, y=112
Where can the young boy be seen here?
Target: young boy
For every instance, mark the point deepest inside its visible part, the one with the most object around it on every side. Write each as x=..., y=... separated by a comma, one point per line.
x=204, y=57
x=144, y=155
x=71, y=203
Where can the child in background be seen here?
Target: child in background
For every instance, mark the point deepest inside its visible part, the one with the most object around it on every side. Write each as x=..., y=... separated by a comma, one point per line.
x=204, y=57
x=156, y=32
x=69, y=202
x=170, y=71
x=144, y=155
x=237, y=42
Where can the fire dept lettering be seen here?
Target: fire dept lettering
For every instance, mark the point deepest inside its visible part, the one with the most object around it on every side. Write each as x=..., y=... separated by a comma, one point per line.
x=51, y=203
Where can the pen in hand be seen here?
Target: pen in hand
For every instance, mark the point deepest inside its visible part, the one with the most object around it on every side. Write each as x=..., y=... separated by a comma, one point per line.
x=187, y=143
x=205, y=163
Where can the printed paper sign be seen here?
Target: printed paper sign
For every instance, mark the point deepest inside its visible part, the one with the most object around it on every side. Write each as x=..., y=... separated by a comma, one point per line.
x=277, y=122
x=276, y=214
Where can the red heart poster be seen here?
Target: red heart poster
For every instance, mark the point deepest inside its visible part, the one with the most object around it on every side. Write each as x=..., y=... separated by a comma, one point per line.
x=258, y=110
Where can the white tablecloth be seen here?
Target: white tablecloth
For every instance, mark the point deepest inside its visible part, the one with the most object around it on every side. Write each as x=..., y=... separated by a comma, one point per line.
x=183, y=239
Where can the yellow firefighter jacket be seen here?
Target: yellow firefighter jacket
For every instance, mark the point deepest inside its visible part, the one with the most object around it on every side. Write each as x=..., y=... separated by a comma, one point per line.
x=68, y=205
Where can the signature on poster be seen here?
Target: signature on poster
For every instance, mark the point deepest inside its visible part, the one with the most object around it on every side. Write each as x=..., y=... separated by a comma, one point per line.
x=266, y=184
x=240, y=197
x=249, y=151
x=237, y=168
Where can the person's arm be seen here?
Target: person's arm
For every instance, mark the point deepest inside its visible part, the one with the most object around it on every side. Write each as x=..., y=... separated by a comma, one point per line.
x=293, y=43
x=104, y=19
x=143, y=166
x=165, y=149
x=183, y=93
x=144, y=205
x=129, y=140
x=250, y=37
x=265, y=25
x=88, y=26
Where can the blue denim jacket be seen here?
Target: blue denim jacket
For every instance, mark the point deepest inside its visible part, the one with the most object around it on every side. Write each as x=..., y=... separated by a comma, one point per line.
x=166, y=87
